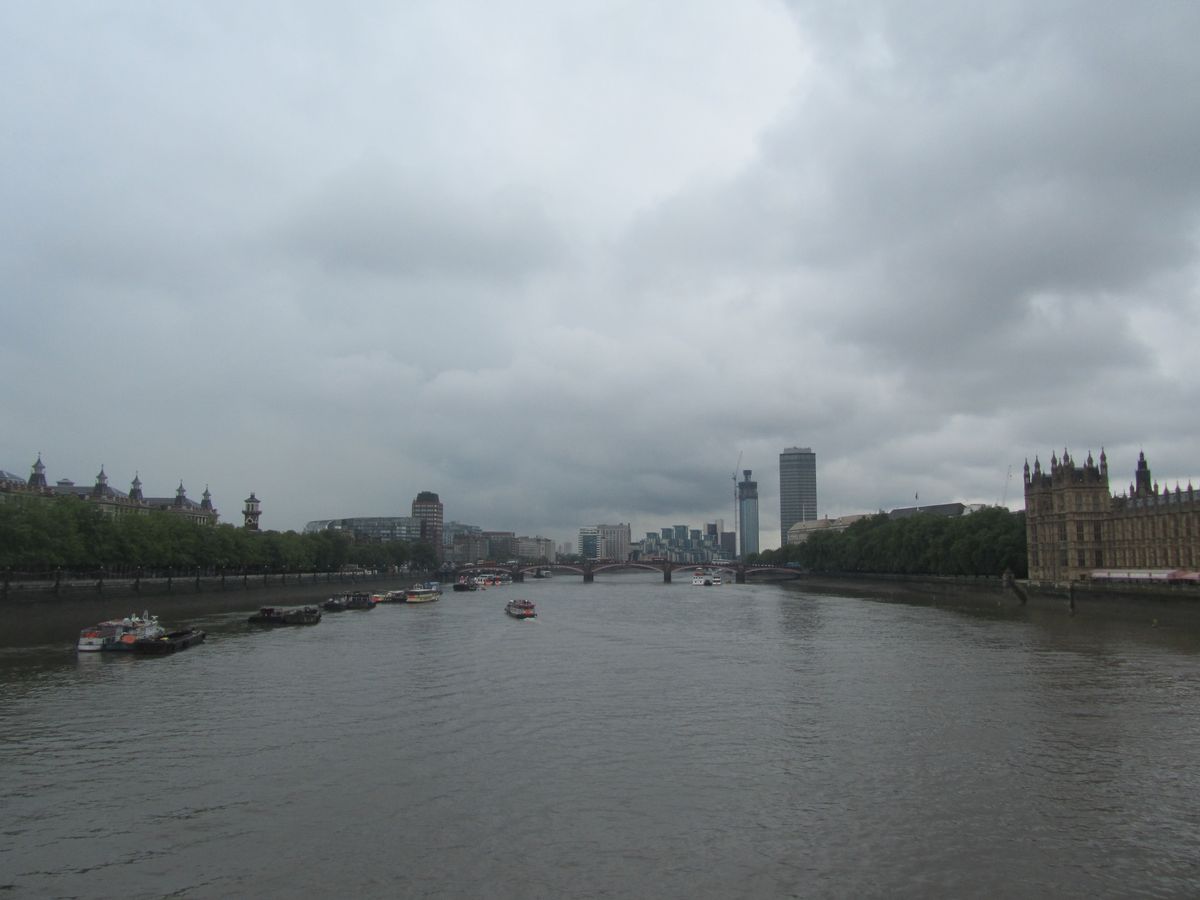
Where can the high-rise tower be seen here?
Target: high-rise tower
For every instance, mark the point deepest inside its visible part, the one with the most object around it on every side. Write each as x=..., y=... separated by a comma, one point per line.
x=427, y=509
x=748, y=514
x=797, y=489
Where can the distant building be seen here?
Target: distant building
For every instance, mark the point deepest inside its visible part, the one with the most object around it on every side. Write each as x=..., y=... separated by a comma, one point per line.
x=614, y=540
x=802, y=531
x=589, y=542
x=797, y=488
x=501, y=545
x=427, y=509
x=536, y=549
x=947, y=510
x=1075, y=527
x=747, y=494
x=109, y=500
x=371, y=529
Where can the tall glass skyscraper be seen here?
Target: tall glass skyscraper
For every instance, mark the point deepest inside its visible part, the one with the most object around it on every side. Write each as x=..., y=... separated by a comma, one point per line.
x=747, y=492
x=797, y=488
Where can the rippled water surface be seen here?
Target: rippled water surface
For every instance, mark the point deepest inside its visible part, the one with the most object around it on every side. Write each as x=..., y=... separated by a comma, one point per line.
x=636, y=740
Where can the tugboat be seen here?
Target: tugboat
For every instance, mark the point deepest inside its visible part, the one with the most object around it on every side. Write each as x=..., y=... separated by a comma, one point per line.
x=277, y=615
x=520, y=609
x=466, y=584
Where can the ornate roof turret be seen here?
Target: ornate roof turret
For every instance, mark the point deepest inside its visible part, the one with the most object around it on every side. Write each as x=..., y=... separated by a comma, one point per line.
x=37, y=478
x=206, y=499
x=101, y=489
x=1142, y=477
x=180, y=494
x=135, y=488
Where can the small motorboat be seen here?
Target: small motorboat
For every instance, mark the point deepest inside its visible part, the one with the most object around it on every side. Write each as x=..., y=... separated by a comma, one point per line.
x=520, y=609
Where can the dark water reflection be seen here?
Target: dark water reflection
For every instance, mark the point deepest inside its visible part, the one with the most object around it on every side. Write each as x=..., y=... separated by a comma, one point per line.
x=635, y=740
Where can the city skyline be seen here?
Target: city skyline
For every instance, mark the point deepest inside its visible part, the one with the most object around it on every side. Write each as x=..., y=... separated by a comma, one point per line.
x=293, y=272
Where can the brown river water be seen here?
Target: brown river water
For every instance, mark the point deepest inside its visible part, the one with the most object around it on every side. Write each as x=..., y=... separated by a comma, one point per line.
x=635, y=740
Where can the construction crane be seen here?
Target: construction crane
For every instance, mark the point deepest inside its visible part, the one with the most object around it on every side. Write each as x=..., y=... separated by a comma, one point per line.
x=735, y=511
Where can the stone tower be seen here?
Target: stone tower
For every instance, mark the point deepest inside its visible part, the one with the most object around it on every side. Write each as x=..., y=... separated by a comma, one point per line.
x=252, y=512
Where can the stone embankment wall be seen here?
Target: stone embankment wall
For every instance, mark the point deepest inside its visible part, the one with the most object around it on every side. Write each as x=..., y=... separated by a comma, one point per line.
x=1149, y=604
x=35, y=613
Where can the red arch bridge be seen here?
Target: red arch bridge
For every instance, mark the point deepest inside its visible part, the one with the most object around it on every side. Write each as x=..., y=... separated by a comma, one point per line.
x=590, y=568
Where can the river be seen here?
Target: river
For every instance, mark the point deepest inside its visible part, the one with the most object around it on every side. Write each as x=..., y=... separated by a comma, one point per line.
x=635, y=740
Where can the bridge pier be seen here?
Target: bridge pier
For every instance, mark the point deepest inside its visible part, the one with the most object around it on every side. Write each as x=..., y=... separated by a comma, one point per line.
x=588, y=575
x=739, y=575
x=667, y=574
x=518, y=577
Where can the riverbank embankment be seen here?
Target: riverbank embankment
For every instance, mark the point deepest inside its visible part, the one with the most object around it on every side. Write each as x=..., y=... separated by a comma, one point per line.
x=45, y=616
x=1153, y=605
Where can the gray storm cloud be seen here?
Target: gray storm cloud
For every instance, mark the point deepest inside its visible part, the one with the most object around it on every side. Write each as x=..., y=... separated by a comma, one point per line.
x=563, y=265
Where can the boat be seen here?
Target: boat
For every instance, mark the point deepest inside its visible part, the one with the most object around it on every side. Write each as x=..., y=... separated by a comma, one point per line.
x=119, y=634
x=466, y=584
x=362, y=600
x=100, y=636
x=278, y=615
x=423, y=593
x=356, y=600
x=391, y=597
x=520, y=609
x=171, y=642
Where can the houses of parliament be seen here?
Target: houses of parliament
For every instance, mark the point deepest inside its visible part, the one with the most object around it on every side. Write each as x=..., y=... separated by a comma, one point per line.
x=1075, y=528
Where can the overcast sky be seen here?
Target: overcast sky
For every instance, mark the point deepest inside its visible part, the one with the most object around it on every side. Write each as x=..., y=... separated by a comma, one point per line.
x=563, y=262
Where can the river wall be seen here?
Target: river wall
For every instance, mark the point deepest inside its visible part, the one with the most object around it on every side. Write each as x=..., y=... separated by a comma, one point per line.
x=1155, y=605
x=36, y=613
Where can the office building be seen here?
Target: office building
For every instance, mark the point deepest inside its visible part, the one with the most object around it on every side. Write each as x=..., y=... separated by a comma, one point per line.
x=747, y=494
x=797, y=489
x=427, y=509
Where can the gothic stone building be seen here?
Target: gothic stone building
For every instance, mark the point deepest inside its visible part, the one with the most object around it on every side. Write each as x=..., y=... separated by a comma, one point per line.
x=1074, y=526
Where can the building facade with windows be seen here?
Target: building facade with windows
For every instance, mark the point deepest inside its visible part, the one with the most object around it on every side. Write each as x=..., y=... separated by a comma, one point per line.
x=747, y=494
x=1074, y=526
x=427, y=509
x=797, y=488
x=109, y=500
